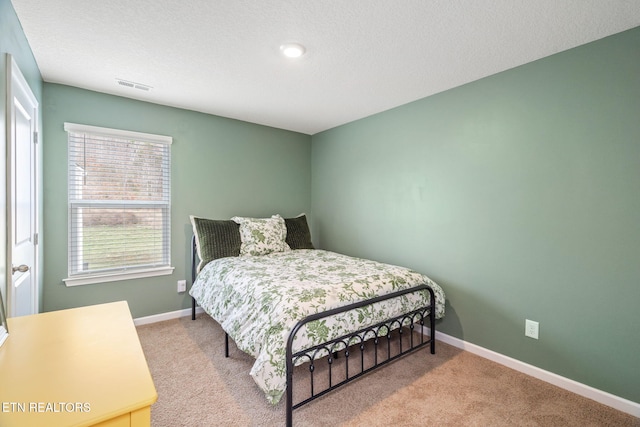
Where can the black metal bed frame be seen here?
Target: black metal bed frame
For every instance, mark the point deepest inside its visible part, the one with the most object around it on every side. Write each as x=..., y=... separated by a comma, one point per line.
x=344, y=344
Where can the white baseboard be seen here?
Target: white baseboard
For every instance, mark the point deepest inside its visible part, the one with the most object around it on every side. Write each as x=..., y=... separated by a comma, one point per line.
x=165, y=316
x=599, y=396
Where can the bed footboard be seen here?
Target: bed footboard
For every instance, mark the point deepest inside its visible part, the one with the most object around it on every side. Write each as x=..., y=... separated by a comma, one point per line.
x=356, y=340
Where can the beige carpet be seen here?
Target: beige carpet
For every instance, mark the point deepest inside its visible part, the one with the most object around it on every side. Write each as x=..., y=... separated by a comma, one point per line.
x=197, y=386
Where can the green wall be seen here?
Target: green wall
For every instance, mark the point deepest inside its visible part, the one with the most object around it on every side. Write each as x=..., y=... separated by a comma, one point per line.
x=520, y=195
x=220, y=168
x=14, y=42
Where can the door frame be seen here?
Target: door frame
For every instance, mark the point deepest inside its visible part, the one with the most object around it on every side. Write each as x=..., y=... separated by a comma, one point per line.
x=17, y=82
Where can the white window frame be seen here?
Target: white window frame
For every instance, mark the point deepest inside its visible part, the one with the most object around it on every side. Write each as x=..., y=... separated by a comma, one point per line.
x=122, y=274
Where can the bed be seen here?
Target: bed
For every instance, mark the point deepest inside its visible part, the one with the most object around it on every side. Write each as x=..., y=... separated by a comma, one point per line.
x=286, y=303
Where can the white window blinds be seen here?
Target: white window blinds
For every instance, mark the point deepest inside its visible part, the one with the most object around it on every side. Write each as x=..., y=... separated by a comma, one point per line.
x=119, y=201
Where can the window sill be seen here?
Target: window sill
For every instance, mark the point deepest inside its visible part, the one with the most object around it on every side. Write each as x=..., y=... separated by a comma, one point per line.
x=114, y=277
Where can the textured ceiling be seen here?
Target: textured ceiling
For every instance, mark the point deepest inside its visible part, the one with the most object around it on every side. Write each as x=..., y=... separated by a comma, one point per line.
x=363, y=56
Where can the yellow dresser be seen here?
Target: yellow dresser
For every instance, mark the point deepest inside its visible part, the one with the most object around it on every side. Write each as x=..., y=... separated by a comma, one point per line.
x=78, y=367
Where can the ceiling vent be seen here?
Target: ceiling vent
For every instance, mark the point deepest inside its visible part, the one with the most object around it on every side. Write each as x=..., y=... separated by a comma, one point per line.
x=134, y=85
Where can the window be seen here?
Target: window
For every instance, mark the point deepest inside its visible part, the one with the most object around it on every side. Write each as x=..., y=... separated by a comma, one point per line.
x=119, y=204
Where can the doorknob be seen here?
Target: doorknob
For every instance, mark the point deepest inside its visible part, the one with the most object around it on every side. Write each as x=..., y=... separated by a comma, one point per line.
x=21, y=268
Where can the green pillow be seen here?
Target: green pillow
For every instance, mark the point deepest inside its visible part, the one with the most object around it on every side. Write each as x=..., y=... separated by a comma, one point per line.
x=215, y=239
x=298, y=234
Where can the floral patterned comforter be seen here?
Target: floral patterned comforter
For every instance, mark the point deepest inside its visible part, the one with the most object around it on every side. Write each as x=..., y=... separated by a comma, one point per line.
x=258, y=300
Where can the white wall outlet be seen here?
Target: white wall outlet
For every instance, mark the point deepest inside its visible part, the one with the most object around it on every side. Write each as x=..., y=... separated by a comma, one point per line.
x=182, y=285
x=531, y=328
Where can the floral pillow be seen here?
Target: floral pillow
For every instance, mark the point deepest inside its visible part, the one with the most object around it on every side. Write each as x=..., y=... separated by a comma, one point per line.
x=262, y=236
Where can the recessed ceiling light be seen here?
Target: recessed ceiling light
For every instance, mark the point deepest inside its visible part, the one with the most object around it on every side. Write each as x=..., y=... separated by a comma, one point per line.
x=292, y=50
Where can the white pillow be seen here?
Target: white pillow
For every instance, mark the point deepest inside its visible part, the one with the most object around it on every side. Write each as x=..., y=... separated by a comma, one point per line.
x=262, y=236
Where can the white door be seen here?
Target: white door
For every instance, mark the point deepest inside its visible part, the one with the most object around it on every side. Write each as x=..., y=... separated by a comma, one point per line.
x=22, y=128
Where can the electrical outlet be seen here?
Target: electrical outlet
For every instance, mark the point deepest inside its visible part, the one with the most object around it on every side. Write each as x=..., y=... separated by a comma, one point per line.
x=531, y=328
x=182, y=285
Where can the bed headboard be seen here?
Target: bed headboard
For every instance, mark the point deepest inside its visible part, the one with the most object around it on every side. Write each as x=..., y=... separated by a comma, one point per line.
x=213, y=239
x=194, y=258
